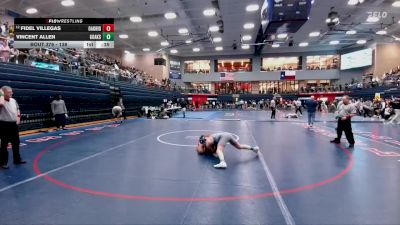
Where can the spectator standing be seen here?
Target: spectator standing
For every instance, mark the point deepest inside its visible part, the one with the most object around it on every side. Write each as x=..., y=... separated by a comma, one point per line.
x=65, y=64
x=312, y=105
x=60, y=112
x=183, y=104
x=9, y=119
x=4, y=51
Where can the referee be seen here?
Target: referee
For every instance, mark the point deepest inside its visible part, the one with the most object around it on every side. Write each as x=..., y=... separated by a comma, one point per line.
x=344, y=114
x=273, y=108
x=9, y=120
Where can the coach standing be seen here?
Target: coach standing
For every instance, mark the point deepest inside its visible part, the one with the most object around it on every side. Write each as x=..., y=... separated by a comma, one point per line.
x=311, y=109
x=344, y=114
x=9, y=132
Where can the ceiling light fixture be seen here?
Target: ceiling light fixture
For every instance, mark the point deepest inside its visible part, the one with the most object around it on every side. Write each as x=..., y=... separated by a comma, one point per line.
x=183, y=31
x=209, y=12
x=282, y=36
x=213, y=29
x=146, y=49
x=303, y=44
x=381, y=32
x=361, y=42
x=164, y=43
x=68, y=3
x=246, y=38
x=219, y=48
x=153, y=33
x=396, y=4
x=351, y=32
x=334, y=42
x=173, y=51
x=248, y=26
x=188, y=41
x=352, y=2
x=314, y=34
x=252, y=7
x=31, y=10
x=136, y=19
x=275, y=45
x=196, y=49
x=129, y=53
x=123, y=36
x=245, y=46
x=217, y=39
x=372, y=19
x=170, y=15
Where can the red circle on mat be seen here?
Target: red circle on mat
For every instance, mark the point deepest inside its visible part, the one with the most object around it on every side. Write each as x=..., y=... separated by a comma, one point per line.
x=180, y=199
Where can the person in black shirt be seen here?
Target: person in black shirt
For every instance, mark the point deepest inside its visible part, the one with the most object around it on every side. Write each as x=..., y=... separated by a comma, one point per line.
x=183, y=104
x=311, y=109
x=65, y=64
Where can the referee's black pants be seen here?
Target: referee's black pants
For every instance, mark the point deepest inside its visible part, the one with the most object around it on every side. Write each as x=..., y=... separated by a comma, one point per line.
x=9, y=133
x=345, y=125
x=298, y=109
x=273, y=109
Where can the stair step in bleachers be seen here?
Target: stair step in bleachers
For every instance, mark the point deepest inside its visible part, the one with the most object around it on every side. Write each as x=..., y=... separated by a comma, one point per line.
x=23, y=69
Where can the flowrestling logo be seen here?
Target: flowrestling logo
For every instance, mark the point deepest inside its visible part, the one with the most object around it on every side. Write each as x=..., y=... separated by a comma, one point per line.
x=59, y=136
x=72, y=133
x=43, y=139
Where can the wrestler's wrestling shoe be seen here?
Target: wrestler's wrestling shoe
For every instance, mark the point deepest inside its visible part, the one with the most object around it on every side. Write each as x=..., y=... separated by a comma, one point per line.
x=221, y=165
x=255, y=149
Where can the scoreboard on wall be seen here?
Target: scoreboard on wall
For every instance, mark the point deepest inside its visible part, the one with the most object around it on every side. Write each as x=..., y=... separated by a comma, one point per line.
x=64, y=33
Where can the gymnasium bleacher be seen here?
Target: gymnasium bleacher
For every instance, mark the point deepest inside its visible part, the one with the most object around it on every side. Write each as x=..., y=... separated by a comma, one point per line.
x=86, y=99
x=369, y=93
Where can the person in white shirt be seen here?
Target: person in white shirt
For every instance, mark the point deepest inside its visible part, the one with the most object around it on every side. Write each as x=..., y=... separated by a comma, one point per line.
x=344, y=113
x=9, y=132
x=117, y=114
x=298, y=106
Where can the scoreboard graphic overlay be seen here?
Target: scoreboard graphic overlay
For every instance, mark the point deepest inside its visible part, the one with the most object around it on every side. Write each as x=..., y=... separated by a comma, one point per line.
x=64, y=33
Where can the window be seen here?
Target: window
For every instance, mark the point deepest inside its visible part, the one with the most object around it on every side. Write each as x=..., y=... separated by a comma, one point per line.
x=322, y=62
x=315, y=86
x=272, y=87
x=281, y=63
x=175, y=65
x=200, y=88
x=232, y=88
x=234, y=65
x=197, y=66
